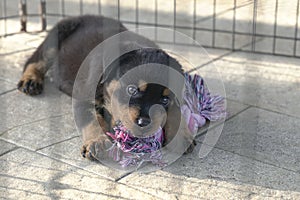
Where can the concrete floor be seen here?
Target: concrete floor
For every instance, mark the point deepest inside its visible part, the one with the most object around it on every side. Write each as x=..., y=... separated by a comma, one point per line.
x=256, y=157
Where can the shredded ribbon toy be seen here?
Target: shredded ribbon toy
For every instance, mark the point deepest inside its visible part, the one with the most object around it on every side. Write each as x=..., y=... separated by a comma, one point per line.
x=198, y=107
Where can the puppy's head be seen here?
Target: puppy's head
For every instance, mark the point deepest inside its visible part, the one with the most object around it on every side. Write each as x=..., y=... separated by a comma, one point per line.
x=142, y=106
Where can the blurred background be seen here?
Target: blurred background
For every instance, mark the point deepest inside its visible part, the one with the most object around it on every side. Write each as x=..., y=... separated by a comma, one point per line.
x=269, y=26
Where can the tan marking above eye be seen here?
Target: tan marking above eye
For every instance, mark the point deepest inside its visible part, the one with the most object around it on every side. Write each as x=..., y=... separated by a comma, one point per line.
x=166, y=92
x=142, y=85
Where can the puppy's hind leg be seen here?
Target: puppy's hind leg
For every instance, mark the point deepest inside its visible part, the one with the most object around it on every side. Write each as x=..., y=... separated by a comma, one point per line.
x=31, y=82
x=43, y=58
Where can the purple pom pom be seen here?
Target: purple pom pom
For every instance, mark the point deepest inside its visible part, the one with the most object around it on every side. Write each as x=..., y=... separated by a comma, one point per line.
x=130, y=150
x=199, y=105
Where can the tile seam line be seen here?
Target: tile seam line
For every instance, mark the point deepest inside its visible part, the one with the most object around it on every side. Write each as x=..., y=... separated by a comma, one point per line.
x=89, y=171
x=8, y=151
x=221, y=56
x=32, y=122
x=61, y=161
x=65, y=140
x=249, y=157
x=204, y=131
x=252, y=158
x=262, y=108
x=8, y=91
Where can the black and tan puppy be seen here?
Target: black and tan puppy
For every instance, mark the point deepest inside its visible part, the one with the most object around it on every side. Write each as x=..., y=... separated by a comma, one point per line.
x=64, y=50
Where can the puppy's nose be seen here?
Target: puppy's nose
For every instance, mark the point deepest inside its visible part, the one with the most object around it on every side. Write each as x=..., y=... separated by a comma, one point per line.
x=143, y=121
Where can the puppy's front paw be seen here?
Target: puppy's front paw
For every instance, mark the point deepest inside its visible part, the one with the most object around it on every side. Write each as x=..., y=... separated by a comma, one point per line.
x=95, y=149
x=31, y=85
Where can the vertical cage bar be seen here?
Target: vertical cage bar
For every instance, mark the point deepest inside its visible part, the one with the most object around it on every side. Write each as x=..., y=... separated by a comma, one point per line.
x=23, y=14
x=63, y=11
x=119, y=10
x=194, y=19
x=81, y=6
x=156, y=19
x=296, y=30
x=99, y=7
x=233, y=26
x=5, y=16
x=174, y=22
x=136, y=13
x=254, y=26
x=43, y=14
x=214, y=23
x=275, y=27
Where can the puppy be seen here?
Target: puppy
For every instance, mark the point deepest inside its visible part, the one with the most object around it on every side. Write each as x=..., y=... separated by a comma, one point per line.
x=64, y=50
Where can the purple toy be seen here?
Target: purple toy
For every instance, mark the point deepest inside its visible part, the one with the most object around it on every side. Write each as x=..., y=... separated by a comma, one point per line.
x=198, y=106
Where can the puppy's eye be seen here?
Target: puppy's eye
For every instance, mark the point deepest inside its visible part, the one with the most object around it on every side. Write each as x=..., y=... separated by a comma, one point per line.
x=132, y=90
x=165, y=101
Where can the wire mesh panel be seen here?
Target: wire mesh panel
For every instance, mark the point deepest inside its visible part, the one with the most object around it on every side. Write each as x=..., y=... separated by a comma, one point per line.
x=269, y=26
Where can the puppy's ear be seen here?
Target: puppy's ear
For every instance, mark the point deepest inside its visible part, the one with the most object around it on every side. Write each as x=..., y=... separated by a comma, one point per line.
x=110, y=87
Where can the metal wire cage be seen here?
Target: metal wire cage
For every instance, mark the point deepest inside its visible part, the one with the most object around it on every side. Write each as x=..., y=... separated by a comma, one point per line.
x=269, y=27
